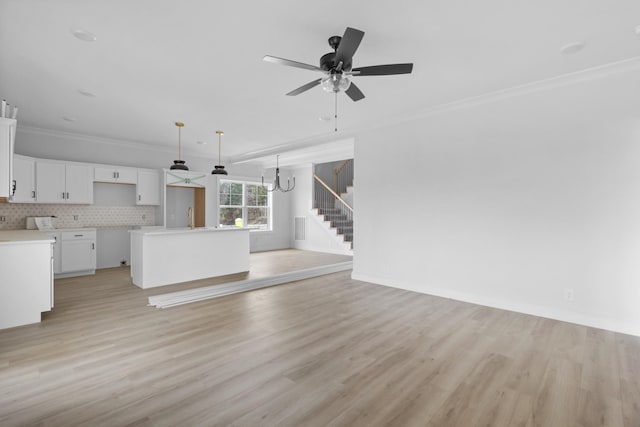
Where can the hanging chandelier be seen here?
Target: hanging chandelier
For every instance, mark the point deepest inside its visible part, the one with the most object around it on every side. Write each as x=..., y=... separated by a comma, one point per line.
x=219, y=169
x=179, y=164
x=276, y=182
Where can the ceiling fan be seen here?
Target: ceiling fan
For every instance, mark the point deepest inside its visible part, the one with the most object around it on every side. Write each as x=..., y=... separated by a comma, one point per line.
x=337, y=67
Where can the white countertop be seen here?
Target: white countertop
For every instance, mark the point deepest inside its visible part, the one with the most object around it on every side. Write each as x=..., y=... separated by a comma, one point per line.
x=8, y=237
x=183, y=230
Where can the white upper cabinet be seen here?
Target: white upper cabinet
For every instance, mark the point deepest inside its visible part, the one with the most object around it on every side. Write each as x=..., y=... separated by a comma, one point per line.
x=24, y=180
x=116, y=175
x=63, y=183
x=178, y=178
x=7, y=140
x=148, y=188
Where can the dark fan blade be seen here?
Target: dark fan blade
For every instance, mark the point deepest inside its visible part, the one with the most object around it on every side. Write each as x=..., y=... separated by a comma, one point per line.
x=291, y=63
x=348, y=46
x=304, y=88
x=383, y=70
x=354, y=93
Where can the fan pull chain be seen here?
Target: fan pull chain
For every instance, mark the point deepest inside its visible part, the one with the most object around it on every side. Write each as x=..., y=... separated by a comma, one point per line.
x=336, y=113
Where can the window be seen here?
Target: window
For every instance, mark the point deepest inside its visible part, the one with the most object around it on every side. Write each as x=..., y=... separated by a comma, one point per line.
x=245, y=204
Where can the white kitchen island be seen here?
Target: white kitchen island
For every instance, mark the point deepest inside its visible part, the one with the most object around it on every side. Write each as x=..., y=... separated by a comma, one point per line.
x=26, y=276
x=164, y=256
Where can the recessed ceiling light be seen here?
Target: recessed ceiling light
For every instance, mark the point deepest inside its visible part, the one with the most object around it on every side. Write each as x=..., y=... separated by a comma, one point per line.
x=69, y=119
x=638, y=31
x=324, y=118
x=86, y=93
x=572, y=48
x=84, y=35
x=201, y=142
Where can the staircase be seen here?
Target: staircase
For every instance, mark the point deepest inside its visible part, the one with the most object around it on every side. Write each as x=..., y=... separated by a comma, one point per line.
x=331, y=206
x=338, y=220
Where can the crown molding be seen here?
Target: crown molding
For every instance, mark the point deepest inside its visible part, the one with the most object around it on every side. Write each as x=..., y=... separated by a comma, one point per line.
x=564, y=80
x=120, y=143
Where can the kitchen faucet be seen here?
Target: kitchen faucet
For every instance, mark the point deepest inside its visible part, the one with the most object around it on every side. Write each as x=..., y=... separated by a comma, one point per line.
x=192, y=222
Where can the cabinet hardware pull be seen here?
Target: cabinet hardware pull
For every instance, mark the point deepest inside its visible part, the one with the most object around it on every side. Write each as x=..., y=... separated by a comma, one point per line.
x=63, y=195
x=15, y=186
x=78, y=235
x=139, y=197
x=93, y=246
x=67, y=196
x=33, y=194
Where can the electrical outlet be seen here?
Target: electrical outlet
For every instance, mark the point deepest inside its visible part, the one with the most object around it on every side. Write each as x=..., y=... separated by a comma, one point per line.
x=75, y=217
x=123, y=263
x=568, y=294
x=3, y=219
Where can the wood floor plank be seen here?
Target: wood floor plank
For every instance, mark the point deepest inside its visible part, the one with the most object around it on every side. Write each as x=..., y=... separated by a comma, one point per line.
x=328, y=351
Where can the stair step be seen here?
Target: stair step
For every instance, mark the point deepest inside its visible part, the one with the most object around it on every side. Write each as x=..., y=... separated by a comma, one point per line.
x=341, y=224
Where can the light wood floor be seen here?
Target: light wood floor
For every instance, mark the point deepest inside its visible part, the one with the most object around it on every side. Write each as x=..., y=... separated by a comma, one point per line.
x=327, y=351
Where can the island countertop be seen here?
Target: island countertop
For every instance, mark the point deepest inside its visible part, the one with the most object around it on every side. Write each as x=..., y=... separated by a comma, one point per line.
x=23, y=236
x=159, y=230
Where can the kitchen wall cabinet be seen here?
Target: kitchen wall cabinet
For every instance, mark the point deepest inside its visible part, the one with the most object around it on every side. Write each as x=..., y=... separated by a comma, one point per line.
x=7, y=141
x=116, y=175
x=148, y=188
x=24, y=180
x=78, y=251
x=176, y=178
x=63, y=183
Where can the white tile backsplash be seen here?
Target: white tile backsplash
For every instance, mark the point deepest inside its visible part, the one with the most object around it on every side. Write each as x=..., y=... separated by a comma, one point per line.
x=15, y=215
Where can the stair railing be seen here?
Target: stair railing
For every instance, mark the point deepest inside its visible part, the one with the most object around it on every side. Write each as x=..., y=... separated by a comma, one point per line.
x=325, y=198
x=343, y=176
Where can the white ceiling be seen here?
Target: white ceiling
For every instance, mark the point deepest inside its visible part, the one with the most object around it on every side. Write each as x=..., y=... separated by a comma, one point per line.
x=158, y=61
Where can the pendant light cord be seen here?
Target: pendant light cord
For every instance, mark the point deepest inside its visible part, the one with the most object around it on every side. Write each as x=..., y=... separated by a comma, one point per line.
x=179, y=143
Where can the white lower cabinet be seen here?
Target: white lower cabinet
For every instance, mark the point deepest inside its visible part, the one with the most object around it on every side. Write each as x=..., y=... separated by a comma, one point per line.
x=76, y=253
x=55, y=235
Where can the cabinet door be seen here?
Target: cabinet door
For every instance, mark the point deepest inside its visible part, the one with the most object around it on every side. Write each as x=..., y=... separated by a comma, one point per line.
x=148, y=188
x=191, y=179
x=104, y=175
x=115, y=175
x=79, y=184
x=50, y=182
x=24, y=180
x=127, y=176
x=7, y=138
x=57, y=260
x=78, y=255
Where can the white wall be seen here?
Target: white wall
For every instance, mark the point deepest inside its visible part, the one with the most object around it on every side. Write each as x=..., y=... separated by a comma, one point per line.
x=511, y=203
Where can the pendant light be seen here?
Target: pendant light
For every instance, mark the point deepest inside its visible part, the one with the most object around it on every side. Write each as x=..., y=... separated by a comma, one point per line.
x=276, y=182
x=219, y=169
x=179, y=164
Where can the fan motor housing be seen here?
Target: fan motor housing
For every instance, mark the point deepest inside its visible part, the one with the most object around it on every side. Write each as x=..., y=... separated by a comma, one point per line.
x=328, y=62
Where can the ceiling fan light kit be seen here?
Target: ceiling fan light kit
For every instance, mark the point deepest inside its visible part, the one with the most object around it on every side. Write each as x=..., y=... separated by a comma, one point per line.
x=179, y=164
x=219, y=169
x=337, y=67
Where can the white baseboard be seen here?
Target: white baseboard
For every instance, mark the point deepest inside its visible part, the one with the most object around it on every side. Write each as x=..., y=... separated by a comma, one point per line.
x=534, y=310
